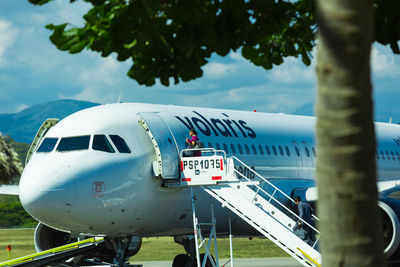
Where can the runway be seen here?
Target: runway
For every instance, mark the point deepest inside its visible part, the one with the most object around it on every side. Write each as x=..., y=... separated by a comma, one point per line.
x=250, y=262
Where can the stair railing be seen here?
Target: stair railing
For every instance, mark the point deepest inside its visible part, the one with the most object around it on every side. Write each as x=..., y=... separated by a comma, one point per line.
x=271, y=196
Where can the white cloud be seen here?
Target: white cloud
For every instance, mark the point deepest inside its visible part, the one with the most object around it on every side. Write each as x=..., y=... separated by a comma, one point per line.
x=293, y=71
x=102, y=82
x=267, y=98
x=105, y=72
x=21, y=107
x=236, y=56
x=8, y=34
x=384, y=63
x=38, y=18
x=215, y=70
x=70, y=12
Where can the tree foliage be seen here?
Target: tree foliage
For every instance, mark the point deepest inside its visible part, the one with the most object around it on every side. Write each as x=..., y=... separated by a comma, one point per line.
x=10, y=165
x=173, y=39
x=12, y=214
x=19, y=147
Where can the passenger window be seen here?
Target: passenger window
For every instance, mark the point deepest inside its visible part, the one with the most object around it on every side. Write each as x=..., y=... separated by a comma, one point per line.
x=313, y=151
x=261, y=149
x=393, y=157
x=233, y=149
x=240, y=149
x=120, y=144
x=280, y=150
x=287, y=151
x=254, y=149
x=382, y=155
x=376, y=154
x=210, y=145
x=274, y=150
x=398, y=156
x=74, y=143
x=217, y=146
x=247, y=149
x=387, y=155
x=307, y=151
x=267, y=150
x=101, y=143
x=297, y=151
x=47, y=145
x=226, y=148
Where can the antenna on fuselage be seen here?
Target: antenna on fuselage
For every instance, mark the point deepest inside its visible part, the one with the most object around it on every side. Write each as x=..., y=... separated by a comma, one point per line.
x=120, y=96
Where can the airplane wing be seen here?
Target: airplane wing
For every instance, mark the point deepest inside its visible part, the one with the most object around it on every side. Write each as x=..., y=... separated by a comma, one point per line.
x=9, y=190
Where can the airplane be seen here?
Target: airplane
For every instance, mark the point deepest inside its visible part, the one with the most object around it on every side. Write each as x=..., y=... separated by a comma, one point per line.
x=97, y=173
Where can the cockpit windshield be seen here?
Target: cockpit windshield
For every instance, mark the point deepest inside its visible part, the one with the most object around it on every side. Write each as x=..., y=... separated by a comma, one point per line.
x=120, y=144
x=74, y=143
x=101, y=143
x=47, y=145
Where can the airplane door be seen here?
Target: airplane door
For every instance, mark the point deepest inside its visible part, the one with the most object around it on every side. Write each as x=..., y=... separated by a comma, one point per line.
x=164, y=144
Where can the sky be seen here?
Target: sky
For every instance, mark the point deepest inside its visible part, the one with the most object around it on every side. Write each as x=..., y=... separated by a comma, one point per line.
x=33, y=71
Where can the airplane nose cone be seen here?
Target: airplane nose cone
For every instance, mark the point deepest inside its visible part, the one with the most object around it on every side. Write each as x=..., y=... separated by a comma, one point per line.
x=46, y=197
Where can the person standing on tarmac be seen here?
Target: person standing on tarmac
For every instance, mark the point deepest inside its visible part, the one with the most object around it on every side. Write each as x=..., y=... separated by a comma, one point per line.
x=305, y=213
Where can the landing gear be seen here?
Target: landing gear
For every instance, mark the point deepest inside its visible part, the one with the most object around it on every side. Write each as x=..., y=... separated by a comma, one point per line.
x=189, y=259
x=124, y=247
x=189, y=245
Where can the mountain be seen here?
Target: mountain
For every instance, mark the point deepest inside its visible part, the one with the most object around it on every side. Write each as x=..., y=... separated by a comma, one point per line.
x=306, y=110
x=22, y=126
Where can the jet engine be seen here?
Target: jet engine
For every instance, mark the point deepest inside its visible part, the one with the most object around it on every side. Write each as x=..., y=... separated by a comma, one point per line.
x=47, y=238
x=390, y=212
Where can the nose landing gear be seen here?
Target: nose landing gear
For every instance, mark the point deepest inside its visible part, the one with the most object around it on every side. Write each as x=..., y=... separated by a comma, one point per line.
x=125, y=247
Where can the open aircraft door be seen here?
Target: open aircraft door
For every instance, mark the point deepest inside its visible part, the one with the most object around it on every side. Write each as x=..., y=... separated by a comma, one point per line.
x=167, y=156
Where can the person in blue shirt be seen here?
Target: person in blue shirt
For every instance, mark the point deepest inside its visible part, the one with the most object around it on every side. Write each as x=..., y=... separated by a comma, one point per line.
x=305, y=213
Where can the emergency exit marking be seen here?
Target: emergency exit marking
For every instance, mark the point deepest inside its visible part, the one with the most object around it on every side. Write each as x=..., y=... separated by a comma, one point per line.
x=98, y=189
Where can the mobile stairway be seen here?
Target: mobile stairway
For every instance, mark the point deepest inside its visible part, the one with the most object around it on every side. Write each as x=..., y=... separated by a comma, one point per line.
x=256, y=202
x=55, y=255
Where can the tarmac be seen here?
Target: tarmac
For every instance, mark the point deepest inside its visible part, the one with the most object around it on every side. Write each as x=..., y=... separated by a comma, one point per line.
x=250, y=262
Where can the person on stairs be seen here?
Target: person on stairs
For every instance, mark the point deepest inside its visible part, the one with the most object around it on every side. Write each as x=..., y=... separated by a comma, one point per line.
x=305, y=213
x=193, y=142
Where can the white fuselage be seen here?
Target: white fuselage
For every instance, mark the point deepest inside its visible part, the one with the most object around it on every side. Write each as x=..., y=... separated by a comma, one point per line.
x=98, y=192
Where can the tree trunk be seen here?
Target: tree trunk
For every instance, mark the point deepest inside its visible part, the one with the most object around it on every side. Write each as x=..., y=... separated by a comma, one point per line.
x=347, y=204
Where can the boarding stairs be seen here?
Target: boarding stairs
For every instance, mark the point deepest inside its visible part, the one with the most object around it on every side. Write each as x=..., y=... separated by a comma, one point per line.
x=54, y=255
x=260, y=203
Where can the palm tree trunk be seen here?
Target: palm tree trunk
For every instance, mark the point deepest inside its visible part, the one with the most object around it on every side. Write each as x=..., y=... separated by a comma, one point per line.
x=347, y=204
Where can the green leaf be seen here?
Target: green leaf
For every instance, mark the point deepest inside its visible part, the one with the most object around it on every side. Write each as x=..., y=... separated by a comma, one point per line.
x=130, y=45
x=249, y=52
x=39, y=2
x=76, y=48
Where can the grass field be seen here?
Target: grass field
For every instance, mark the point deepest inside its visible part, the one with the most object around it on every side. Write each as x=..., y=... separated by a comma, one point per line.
x=154, y=249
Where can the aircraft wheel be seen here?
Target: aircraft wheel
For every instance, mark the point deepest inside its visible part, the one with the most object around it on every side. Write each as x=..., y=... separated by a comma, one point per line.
x=181, y=260
x=208, y=262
